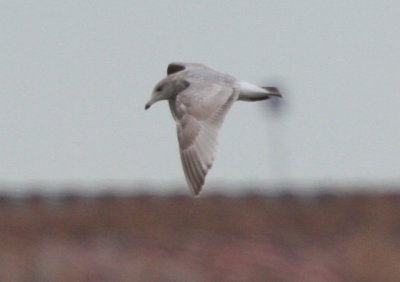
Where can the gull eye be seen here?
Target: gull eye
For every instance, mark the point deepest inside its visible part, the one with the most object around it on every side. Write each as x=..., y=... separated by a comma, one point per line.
x=159, y=88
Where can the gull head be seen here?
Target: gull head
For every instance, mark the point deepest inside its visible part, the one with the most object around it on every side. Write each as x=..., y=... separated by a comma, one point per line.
x=167, y=89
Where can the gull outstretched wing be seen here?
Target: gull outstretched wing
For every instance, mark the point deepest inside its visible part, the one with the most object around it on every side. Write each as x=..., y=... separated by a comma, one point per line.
x=199, y=112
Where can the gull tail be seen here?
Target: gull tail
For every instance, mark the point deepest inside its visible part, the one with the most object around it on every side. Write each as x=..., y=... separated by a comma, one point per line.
x=250, y=92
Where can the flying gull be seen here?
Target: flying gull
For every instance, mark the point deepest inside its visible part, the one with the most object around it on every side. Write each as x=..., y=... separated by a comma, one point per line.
x=199, y=98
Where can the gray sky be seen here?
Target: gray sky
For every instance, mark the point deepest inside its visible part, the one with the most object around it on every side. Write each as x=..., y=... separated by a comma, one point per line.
x=75, y=76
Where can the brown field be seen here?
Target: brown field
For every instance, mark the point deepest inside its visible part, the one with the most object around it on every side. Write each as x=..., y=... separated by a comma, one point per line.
x=249, y=238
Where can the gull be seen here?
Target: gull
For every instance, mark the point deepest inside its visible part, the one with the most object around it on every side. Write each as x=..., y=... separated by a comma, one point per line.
x=199, y=98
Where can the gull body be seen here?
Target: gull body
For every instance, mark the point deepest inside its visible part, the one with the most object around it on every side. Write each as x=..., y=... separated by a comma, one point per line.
x=199, y=98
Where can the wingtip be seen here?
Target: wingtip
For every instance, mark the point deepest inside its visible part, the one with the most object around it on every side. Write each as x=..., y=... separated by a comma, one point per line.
x=273, y=91
x=174, y=67
x=195, y=190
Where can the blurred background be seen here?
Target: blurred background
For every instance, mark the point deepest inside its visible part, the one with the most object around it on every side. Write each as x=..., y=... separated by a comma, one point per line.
x=305, y=186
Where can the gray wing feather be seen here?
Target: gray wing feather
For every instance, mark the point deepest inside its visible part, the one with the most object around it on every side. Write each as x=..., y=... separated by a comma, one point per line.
x=199, y=112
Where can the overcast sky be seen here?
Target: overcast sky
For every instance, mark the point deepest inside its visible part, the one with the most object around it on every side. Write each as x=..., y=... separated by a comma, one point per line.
x=75, y=76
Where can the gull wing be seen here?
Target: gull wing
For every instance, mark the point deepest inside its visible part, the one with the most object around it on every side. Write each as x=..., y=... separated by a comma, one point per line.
x=199, y=112
x=174, y=68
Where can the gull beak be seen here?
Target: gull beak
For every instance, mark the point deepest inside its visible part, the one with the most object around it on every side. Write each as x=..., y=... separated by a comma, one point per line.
x=153, y=100
x=149, y=103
